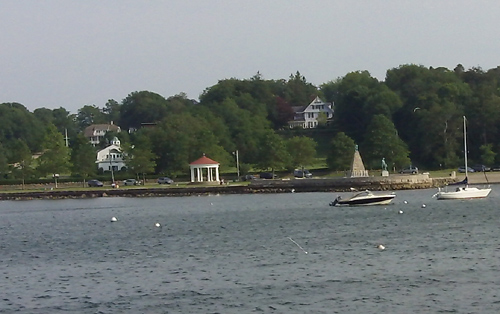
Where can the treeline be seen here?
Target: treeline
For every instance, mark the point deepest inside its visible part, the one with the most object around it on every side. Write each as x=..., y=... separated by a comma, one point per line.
x=414, y=116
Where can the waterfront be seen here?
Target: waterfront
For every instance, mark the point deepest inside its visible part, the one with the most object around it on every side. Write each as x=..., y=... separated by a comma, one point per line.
x=234, y=253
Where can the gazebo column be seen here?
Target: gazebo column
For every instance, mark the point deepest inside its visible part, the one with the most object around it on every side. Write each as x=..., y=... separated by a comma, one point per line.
x=217, y=174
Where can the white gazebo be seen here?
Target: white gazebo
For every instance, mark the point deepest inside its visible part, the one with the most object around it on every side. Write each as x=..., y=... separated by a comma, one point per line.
x=204, y=168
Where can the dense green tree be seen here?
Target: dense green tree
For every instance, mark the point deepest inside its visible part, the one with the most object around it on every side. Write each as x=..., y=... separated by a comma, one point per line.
x=302, y=151
x=16, y=122
x=55, y=158
x=357, y=98
x=487, y=154
x=341, y=152
x=4, y=166
x=382, y=141
x=139, y=157
x=273, y=152
x=83, y=158
x=88, y=115
x=142, y=107
x=182, y=138
x=112, y=111
x=298, y=91
x=23, y=168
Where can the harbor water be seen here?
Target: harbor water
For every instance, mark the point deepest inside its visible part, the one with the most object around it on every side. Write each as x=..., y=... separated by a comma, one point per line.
x=260, y=253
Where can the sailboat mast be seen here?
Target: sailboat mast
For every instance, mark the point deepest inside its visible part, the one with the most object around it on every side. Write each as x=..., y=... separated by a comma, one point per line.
x=465, y=146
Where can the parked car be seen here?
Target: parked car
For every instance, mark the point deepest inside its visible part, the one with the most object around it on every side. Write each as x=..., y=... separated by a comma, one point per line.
x=95, y=183
x=302, y=174
x=410, y=169
x=248, y=177
x=131, y=182
x=481, y=168
x=268, y=175
x=495, y=168
x=165, y=180
x=462, y=169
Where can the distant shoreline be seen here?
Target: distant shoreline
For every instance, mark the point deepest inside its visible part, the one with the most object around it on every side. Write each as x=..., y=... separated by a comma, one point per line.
x=393, y=182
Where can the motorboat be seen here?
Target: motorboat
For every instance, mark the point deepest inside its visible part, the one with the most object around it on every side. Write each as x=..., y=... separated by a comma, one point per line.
x=364, y=198
x=466, y=191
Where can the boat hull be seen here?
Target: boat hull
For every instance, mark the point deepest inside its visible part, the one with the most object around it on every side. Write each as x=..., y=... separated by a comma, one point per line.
x=374, y=200
x=463, y=193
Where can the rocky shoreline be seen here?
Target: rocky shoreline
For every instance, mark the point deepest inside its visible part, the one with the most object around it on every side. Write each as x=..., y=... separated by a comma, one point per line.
x=396, y=182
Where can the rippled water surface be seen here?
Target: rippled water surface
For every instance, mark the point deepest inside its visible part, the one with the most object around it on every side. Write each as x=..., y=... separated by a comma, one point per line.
x=247, y=254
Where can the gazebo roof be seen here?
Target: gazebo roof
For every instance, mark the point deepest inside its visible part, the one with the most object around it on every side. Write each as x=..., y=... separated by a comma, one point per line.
x=204, y=161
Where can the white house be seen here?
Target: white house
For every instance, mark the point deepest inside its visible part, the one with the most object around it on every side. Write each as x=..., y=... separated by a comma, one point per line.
x=95, y=132
x=111, y=157
x=307, y=117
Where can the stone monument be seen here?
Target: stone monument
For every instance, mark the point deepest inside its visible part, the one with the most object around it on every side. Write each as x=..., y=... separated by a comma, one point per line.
x=357, y=166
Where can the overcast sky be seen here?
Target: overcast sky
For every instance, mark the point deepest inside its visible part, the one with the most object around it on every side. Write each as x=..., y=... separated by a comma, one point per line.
x=63, y=53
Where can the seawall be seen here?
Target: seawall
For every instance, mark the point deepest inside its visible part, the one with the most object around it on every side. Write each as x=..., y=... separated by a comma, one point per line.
x=393, y=182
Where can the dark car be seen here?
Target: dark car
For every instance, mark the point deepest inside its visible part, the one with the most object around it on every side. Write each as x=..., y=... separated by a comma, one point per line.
x=481, y=168
x=462, y=169
x=495, y=168
x=95, y=183
x=268, y=175
x=248, y=177
x=302, y=174
x=165, y=180
x=410, y=170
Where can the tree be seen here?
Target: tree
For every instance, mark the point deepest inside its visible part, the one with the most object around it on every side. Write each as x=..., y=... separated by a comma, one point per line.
x=382, y=141
x=4, y=167
x=487, y=154
x=112, y=111
x=56, y=157
x=341, y=152
x=88, y=115
x=16, y=122
x=24, y=161
x=139, y=158
x=142, y=107
x=83, y=157
x=302, y=151
x=273, y=152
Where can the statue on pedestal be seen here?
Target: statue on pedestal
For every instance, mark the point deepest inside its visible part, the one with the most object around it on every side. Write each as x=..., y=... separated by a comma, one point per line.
x=384, y=165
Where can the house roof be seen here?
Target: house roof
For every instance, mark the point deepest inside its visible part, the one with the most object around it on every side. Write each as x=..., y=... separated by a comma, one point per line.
x=204, y=160
x=89, y=131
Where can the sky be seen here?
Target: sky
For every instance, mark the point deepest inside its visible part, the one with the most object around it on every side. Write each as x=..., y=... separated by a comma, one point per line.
x=62, y=53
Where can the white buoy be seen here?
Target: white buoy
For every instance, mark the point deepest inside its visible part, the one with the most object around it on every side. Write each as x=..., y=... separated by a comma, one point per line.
x=405, y=201
x=400, y=211
x=113, y=219
x=423, y=205
x=157, y=225
x=381, y=247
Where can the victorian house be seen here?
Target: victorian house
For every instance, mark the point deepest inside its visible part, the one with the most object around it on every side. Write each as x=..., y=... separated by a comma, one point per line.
x=308, y=117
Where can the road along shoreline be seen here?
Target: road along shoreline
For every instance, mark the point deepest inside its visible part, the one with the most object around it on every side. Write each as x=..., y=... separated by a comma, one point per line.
x=393, y=182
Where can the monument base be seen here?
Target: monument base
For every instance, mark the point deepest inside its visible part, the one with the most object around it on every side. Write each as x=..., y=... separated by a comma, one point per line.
x=385, y=173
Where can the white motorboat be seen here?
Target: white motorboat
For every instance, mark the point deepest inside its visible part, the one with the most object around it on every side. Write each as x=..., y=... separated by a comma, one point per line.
x=465, y=192
x=364, y=198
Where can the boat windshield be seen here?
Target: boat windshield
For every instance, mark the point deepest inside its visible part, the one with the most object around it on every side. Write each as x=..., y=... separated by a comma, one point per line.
x=364, y=193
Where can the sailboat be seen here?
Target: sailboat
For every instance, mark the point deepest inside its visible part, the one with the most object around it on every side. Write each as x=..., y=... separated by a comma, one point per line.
x=464, y=191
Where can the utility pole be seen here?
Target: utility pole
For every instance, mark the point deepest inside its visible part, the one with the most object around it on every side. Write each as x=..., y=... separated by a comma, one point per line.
x=237, y=163
x=66, y=137
x=111, y=167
